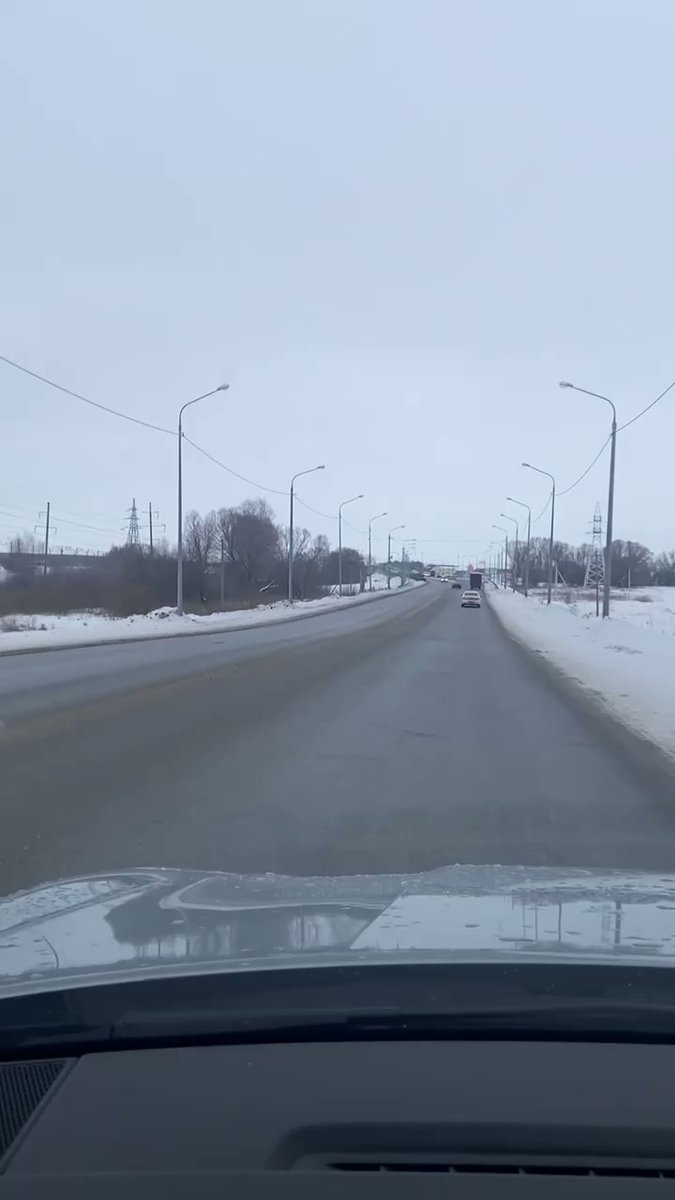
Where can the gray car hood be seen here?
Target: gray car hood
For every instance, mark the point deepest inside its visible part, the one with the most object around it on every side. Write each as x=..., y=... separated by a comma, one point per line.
x=120, y=925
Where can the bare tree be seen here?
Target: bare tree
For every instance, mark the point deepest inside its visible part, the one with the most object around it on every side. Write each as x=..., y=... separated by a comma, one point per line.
x=200, y=537
x=226, y=521
x=25, y=543
x=251, y=539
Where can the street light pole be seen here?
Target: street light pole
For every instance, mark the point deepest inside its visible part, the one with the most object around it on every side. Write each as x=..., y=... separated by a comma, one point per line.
x=529, y=531
x=514, y=557
x=506, y=548
x=496, y=560
x=550, y=540
x=610, y=499
x=370, y=549
x=179, y=558
x=394, y=530
x=412, y=542
x=340, y=508
x=310, y=471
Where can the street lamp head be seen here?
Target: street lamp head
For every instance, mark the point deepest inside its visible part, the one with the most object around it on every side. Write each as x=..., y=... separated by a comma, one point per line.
x=223, y=387
x=321, y=468
x=526, y=465
x=564, y=383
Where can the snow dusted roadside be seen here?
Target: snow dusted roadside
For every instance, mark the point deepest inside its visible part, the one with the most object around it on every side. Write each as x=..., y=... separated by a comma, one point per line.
x=45, y=631
x=626, y=663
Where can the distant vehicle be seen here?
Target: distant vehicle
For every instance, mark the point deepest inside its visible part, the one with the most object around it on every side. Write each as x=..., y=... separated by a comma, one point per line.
x=471, y=600
x=456, y=584
x=475, y=580
x=418, y=575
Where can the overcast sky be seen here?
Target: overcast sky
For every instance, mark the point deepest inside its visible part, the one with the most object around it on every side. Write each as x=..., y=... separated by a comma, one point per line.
x=391, y=225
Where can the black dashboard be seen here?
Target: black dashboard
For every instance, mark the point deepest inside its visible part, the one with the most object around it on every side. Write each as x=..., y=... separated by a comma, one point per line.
x=384, y=1118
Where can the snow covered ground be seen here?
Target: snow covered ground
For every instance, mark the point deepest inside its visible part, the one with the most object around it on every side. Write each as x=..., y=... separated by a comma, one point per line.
x=627, y=663
x=44, y=631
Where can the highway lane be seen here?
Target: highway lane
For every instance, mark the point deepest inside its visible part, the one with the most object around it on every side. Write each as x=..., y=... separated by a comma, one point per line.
x=33, y=683
x=395, y=736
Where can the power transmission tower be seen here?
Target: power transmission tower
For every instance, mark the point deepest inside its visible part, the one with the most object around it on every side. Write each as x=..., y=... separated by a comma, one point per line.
x=133, y=531
x=595, y=563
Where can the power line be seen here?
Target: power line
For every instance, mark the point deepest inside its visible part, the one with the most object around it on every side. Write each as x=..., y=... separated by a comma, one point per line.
x=333, y=517
x=316, y=511
x=85, y=399
x=24, y=516
x=19, y=516
x=632, y=421
x=645, y=410
x=230, y=471
x=33, y=503
x=604, y=446
x=354, y=528
x=136, y=421
x=81, y=525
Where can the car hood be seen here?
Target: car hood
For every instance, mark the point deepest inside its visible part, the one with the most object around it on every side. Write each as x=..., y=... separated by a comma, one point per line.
x=120, y=925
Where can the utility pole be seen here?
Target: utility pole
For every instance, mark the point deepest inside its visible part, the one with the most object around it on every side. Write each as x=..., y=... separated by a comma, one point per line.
x=48, y=526
x=291, y=526
x=394, y=530
x=610, y=521
x=47, y=535
x=340, y=508
x=529, y=531
x=222, y=569
x=223, y=387
x=514, y=556
x=153, y=523
x=610, y=499
x=370, y=549
x=550, y=540
x=506, y=549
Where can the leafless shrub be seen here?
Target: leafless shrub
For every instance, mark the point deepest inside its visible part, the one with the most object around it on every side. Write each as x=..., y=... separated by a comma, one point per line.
x=12, y=624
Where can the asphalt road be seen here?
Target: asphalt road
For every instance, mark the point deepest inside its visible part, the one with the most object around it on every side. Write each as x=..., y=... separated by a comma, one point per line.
x=392, y=736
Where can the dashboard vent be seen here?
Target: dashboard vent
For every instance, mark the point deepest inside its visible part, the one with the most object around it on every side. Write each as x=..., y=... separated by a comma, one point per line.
x=424, y=1166
x=22, y=1086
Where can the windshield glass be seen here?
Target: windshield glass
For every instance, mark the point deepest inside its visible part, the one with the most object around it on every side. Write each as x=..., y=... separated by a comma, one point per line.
x=335, y=534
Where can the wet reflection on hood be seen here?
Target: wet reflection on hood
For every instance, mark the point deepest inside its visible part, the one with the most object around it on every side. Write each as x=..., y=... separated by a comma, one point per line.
x=174, y=930
x=145, y=919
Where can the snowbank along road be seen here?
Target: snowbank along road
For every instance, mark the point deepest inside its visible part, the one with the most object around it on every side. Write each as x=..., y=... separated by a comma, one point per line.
x=394, y=736
x=626, y=665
